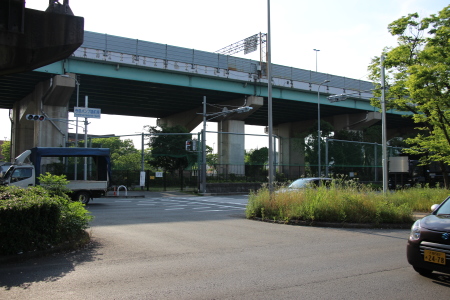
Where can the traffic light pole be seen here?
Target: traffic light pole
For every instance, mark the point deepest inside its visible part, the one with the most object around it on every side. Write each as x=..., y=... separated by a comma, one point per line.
x=85, y=138
x=203, y=182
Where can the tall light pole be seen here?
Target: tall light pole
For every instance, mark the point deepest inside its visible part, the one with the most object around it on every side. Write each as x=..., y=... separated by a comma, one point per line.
x=269, y=99
x=203, y=176
x=76, y=127
x=383, y=125
x=316, y=50
x=318, y=127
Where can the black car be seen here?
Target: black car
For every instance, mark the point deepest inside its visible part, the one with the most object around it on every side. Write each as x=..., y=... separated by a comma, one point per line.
x=428, y=246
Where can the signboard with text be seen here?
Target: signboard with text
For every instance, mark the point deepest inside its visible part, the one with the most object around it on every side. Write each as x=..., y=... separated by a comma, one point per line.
x=87, y=112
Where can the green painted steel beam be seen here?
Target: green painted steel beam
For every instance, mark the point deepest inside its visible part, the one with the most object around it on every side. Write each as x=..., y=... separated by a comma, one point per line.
x=180, y=79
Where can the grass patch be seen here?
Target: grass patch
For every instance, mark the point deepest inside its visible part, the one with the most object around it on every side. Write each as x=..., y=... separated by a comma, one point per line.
x=341, y=202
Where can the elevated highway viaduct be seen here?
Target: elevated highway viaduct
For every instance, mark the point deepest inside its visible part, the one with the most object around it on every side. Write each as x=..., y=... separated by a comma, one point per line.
x=131, y=77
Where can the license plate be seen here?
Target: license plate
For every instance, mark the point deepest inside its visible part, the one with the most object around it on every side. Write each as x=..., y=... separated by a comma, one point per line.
x=435, y=257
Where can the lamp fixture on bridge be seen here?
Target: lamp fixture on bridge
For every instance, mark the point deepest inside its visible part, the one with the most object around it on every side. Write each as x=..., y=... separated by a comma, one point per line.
x=337, y=98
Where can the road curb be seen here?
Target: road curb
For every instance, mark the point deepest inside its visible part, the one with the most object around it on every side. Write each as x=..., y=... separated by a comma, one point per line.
x=338, y=225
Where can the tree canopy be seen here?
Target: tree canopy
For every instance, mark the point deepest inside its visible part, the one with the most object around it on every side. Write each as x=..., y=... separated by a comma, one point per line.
x=124, y=156
x=5, y=151
x=418, y=80
x=169, y=149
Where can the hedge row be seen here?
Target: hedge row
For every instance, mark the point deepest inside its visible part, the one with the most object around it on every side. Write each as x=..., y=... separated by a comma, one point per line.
x=35, y=219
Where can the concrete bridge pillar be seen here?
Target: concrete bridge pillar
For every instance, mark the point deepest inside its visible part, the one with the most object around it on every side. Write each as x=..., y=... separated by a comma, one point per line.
x=50, y=99
x=291, y=148
x=231, y=149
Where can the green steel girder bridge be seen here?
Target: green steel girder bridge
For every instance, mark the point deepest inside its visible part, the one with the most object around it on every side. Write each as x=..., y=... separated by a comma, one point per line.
x=131, y=77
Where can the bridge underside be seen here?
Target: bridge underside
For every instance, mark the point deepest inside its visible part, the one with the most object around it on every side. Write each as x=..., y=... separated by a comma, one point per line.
x=145, y=99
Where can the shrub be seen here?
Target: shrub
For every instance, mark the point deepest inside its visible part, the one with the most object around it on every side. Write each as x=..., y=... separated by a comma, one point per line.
x=343, y=201
x=36, y=219
x=55, y=184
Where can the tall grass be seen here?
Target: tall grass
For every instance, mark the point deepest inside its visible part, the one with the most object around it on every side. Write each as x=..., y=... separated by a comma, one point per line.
x=343, y=202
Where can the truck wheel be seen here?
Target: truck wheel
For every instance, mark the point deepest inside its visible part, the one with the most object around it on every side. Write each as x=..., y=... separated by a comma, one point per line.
x=83, y=197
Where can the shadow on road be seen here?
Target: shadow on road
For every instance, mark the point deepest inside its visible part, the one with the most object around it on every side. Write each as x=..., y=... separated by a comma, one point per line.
x=45, y=269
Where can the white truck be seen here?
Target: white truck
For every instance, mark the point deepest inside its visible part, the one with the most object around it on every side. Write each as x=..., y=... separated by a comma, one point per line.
x=27, y=167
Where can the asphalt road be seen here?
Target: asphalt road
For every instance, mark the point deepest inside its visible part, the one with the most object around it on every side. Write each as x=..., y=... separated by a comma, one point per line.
x=183, y=247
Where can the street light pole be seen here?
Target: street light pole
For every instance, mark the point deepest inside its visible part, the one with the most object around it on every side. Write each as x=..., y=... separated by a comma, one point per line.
x=269, y=99
x=383, y=125
x=203, y=185
x=317, y=50
x=76, y=127
x=318, y=128
x=85, y=137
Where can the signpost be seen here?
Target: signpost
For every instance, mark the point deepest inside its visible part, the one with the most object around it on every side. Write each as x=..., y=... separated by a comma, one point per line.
x=85, y=112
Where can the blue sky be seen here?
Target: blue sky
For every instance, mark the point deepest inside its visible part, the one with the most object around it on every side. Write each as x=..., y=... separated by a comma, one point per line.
x=348, y=33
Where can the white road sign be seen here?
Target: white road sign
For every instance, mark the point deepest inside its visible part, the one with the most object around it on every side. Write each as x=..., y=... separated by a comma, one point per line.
x=87, y=112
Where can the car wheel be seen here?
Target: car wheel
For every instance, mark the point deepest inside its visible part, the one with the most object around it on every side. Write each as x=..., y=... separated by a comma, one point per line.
x=422, y=271
x=83, y=197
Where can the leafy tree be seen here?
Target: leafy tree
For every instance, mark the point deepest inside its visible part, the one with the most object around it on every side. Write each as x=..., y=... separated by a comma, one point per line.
x=124, y=156
x=418, y=76
x=257, y=156
x=168, y=151
x=6, y=150
x=115, y=144
x=255, y=161
x=212, y=159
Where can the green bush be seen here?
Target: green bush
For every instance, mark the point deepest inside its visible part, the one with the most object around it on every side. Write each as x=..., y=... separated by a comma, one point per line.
x=36, y=219
x=347, y=202
x=55, y=184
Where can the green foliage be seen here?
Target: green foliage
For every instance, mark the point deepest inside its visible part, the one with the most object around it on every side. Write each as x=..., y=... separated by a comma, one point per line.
x=257, y=156
x=256, y=162
x=212, y=159
x=124, y=156
x=6, y=150
x=168, y=151
x=34, y=219
x=55, y=184
x=343, y=201
x=418, y=73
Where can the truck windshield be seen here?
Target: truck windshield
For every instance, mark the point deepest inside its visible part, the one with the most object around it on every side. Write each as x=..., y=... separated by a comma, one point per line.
x=8, y=172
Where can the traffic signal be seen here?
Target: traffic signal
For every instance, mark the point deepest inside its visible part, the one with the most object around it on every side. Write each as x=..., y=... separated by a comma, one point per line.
x=35, y=117
x=189, y=145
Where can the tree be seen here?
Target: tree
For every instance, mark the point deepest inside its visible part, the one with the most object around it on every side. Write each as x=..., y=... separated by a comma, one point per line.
x=124, y=156
x=168, y=151
x=6, y=150
x=418, y=77
x=212, y=159
x=255, y=162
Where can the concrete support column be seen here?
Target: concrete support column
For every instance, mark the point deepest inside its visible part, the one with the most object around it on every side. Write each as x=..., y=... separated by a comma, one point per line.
x=231, y=147
x=291, y=150
x=50, y=98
